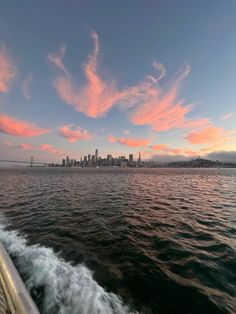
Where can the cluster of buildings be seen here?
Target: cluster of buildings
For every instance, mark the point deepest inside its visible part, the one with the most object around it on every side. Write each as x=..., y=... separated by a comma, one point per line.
x=97, y=161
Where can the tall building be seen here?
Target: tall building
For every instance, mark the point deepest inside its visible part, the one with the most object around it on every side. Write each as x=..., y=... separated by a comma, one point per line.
x=89, y=160
x=67, y=161
x=109, y=160
x=85, y=161
x=139, y=160
x=63, y=162
x=31, y=161
x=131, y=160
x=96, y=157
x=93, y=161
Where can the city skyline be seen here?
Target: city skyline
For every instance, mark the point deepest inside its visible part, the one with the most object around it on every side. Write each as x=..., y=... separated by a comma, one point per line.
x=95, y=160
x=159, y=83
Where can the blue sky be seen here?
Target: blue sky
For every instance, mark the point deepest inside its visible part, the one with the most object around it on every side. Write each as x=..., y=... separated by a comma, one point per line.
x=132, y=37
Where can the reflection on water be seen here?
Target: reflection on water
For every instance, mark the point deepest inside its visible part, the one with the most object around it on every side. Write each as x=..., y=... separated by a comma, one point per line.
x=162, y=239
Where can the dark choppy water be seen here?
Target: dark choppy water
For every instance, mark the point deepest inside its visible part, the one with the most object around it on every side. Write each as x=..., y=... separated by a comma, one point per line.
x=120, y=241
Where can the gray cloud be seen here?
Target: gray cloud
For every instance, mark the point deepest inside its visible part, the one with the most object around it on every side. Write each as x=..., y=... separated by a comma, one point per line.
x=223, y=156
x=218, y=155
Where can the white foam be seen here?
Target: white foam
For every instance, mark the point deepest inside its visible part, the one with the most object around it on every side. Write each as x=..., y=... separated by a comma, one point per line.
x=67, y=289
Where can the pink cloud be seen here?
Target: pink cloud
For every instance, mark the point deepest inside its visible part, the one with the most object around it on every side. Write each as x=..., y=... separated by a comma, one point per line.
x=126, y=132
x=161, y=147
x=8, y=70
x=209, y=134
x=74, y=135
x=159, y=108
x=26, y=87
x=22, y=146
x=131, y=142
x=164, y=148
x=25, y=146
x=96, y=97
x=8, y=143
x=14, y=126
x=57, y=59
x=190, y=153
x=159, y=67
x=41, y=148
x=162, y=110
x=50, y=149
x=227, y=116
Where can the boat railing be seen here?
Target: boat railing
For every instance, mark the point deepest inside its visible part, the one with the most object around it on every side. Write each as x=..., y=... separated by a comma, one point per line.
x=17, y=296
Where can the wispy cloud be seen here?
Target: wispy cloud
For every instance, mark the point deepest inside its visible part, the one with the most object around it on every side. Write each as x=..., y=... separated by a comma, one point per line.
x=126, y=132
x=210, y=135
x=25, y=146
x=159, y=147
x=26, y=87
x=76, y=134
x=128, y=141
x=227, y=116
x=7, y=69
x=166, y=149
x=162, y=110
x=96, y=97
x=50, y=149
x=40, y=148
x=152, y=105
x=57, y=59
x=159, y=67
x=14, y=126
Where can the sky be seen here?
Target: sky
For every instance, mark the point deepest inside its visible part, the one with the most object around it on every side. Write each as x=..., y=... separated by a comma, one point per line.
x=156, y=77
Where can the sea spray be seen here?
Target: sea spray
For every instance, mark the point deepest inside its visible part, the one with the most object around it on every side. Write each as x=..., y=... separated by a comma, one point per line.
x=66, y=289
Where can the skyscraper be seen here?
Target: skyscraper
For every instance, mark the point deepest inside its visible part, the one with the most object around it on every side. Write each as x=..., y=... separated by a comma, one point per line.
x=96, y=157
x=131, y=160
x=67, y=161
x=93, y=161
x=31, y=161
x=109, y=160
x=89, y=160
x=139, y=160
x=85, y=161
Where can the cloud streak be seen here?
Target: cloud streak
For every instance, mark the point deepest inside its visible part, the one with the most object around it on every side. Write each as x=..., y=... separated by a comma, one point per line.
x=162, y=110
x=128, y=141
x=7, y=70
x=209, y=135
x=13, y=126
x=166, y=149
x=96, y=97
x=159, y=108
x=26, y=87
x=74, y=135
x=50, y=149
x=227, y=116
x=41, y=148
x=160, y=147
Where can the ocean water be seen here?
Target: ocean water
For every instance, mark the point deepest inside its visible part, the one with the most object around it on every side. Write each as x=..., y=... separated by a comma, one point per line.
x=122, y=240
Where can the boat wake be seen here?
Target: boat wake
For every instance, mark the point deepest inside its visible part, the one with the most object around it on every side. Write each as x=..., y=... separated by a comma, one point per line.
x=61, y=287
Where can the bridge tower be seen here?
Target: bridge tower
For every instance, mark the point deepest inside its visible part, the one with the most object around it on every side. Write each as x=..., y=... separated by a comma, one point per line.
x=31, y=161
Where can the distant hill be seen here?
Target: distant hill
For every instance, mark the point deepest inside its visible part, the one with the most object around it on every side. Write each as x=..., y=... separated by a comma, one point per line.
x=201, y=163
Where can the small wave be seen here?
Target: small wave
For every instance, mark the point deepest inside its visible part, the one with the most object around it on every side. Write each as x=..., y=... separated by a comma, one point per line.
x=66, y=289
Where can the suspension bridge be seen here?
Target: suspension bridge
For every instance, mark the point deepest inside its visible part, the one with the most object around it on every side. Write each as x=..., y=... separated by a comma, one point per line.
x=30, y=163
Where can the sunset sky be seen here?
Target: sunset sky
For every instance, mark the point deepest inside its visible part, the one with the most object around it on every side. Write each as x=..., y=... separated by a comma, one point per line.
x=156, y=77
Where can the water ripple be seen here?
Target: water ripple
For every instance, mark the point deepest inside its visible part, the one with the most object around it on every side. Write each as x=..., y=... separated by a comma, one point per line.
x=164, y=240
